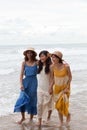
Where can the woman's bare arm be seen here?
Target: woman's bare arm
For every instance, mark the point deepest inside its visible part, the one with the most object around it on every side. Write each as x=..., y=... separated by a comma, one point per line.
x=51, y=80
x=69, y=74
x=70, y=78
x=21, y=76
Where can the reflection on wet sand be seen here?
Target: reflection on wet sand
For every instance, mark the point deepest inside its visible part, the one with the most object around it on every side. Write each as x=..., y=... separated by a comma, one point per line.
x=43, y=127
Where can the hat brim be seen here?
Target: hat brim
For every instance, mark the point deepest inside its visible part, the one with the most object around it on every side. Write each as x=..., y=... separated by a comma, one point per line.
x=56, y=56
x=25, y=52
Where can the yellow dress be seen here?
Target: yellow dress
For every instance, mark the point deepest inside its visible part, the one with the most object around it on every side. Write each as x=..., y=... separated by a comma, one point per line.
x=61, y=99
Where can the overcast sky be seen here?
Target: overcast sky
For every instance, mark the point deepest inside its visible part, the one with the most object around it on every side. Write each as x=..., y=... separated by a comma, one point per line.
x=43, y=21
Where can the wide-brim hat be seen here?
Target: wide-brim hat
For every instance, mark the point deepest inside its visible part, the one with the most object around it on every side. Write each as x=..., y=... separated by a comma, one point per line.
x=58, y=54
x=30, y=49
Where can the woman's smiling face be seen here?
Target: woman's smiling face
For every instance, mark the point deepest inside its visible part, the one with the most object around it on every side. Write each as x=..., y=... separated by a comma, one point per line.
x=43, y=58
x=29, y=54
x=55, y=59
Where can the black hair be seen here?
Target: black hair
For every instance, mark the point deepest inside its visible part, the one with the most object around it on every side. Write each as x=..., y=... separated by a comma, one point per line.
x=48, y=62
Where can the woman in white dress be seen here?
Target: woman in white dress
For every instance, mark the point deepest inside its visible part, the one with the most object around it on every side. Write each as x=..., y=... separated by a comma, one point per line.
x=45, y=102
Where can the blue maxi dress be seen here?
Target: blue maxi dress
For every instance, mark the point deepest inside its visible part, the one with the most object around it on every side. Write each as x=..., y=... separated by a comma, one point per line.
x=27, y=101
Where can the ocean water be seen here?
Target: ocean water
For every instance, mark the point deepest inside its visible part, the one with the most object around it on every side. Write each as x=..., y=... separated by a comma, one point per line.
x=11, y=58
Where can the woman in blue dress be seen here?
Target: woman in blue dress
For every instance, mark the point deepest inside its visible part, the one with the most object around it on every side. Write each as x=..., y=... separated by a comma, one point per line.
x=27, y=101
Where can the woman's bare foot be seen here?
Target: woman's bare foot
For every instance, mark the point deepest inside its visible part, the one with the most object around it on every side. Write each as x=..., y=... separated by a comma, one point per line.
x=47, y=121
x=59, y=125
x=30, y=122
x=38, y=124
x=20, y=122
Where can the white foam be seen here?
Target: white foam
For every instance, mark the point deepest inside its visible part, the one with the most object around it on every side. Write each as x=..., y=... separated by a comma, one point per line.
x=6, y=71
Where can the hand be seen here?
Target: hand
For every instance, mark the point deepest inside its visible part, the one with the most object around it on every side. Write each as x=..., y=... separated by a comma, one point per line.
x=22, y=87
x=50, y=91
x=66, y=90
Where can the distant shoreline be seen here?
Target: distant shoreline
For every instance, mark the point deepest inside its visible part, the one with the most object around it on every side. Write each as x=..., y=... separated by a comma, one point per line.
x=37, y=44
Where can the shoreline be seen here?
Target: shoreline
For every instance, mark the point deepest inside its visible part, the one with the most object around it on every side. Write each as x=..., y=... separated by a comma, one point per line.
x=78, y=110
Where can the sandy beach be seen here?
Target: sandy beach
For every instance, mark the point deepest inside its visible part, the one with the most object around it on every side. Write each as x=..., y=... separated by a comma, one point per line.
x=78, y=117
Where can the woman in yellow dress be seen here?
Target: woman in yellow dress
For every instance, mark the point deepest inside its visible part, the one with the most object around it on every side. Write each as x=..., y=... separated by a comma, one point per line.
x=60, y=85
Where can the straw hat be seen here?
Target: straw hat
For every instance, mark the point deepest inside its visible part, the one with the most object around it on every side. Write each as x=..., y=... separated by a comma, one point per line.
x=29, y=49
x=58, y=54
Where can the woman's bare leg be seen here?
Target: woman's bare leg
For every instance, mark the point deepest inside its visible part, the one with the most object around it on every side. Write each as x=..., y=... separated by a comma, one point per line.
x=39, y=122
x=23, y=117
x=68, y=119
x=60, y=118
x=31, y=117
x=49, y=115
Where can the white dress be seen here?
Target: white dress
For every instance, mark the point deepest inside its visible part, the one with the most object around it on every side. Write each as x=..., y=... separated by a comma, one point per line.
x=45, y=100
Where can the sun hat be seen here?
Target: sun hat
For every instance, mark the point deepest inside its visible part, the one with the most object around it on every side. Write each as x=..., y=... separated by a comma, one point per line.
x=30, y=49
x=58, y=54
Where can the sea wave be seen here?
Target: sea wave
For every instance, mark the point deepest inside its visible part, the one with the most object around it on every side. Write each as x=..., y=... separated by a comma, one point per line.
x=6, y=71
x=10, y=63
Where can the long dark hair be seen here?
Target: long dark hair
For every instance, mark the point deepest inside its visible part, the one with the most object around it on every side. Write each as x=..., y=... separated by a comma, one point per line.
x=48, y=62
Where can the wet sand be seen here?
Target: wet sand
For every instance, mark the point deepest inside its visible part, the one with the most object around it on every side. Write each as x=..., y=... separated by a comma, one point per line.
x=78, y=109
